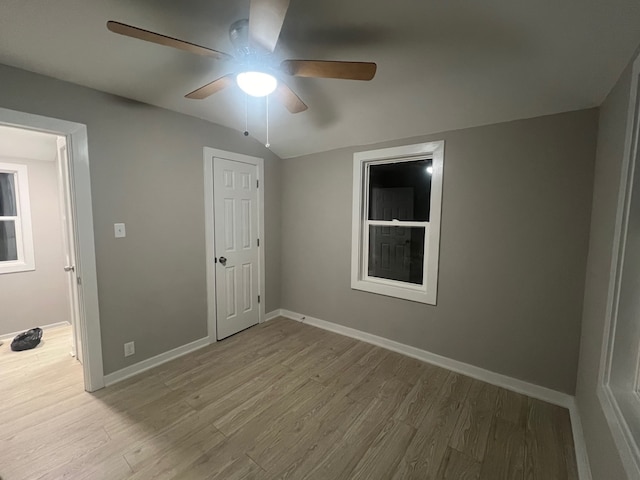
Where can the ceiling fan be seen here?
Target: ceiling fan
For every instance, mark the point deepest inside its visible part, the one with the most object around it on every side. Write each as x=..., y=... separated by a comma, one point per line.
x=255, y=71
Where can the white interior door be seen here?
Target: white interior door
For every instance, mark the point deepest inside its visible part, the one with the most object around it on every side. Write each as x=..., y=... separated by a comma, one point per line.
x=69, y=245
x=237, y=272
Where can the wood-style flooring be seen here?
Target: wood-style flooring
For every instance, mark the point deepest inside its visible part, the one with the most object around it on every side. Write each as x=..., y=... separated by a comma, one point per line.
x=281, y=400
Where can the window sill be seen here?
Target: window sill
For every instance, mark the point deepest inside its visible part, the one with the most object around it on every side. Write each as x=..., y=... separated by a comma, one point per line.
x=411, y=294
x=16, y=267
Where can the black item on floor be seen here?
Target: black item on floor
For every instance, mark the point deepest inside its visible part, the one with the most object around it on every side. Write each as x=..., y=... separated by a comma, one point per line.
x=27, y=340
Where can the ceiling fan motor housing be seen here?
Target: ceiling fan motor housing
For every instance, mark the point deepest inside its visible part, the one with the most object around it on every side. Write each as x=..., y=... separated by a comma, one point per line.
x=239, y=36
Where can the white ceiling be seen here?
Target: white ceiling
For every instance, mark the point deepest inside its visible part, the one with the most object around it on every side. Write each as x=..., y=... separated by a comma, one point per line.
x=441, y=64
x=27, y=144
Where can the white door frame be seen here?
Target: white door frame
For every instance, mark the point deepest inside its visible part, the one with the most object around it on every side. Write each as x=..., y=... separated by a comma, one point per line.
x=627, y=445
x=80, y=184
x=209, y=155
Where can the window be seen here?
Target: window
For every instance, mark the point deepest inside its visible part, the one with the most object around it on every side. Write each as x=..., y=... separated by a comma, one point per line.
x=16, y=242
x=397, y=194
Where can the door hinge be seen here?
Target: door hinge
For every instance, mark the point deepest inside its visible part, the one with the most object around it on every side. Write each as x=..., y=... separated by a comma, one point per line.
x=258, y=242
x=258, y=298
x=257, y=183
x=79, y=280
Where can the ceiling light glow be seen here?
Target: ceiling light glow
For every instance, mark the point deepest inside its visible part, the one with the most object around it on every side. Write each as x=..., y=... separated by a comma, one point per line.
x=256, y=84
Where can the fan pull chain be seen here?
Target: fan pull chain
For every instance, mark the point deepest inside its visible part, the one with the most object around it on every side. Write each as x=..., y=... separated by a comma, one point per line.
x=246, y=116
x=267, y=144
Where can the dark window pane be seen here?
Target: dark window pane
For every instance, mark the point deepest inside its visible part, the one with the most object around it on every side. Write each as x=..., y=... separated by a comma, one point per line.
x=396, y=253
x=7, y=195
x=8, y=245
x=400, y=191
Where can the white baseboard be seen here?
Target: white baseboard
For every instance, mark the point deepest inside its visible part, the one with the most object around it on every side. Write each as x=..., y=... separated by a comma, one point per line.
x=579, y=444
x=152, y=362
x=7, y=336
x=504, y=381
x=513, y=384
x=272, y=315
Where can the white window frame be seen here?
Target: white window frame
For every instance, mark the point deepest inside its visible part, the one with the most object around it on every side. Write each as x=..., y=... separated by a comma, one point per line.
x=360, y=280
x=24, y=235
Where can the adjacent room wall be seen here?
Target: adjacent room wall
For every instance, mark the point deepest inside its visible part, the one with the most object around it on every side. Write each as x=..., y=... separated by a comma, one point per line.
x=515, y=224
x=147, y=171
x=603, y=455
x=40, y=297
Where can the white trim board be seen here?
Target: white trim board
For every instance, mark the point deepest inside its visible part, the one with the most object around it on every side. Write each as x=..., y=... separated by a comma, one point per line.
x=152, y=362
x=80, y=181
x=7, y=336
x=274, y=314
x=627, y=445
x=579, y=443
x=535, y=391
x=510, y=383
x=427, y=292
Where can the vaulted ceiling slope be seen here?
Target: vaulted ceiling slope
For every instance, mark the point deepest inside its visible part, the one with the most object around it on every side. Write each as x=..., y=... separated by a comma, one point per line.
x=442, y=65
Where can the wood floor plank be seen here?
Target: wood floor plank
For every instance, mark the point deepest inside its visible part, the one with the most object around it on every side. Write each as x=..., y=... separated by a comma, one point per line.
x=346, y=451
x=233, y=392
x=421, y=398
x=472, y=429
x=281, y=400
x=241, y=412
x=563, y=423
x=141, y=449
x=386, y=451
x=544, y=449
x=214, y=466
x=458, y=466
x=345, y=360
x=263, y=420
x=180, y=457
x=504, y=456
x=316, y=429
x=429, y=445
x=63, y=450
x=103, y=462
x=308, y=408
x=512, y=407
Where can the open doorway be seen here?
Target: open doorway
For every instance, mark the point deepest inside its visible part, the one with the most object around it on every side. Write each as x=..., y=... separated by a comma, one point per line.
x=38, y=284
x=47, y=251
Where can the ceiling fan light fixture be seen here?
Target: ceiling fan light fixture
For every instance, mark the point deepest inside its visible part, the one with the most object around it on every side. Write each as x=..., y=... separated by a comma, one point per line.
x=256, y=84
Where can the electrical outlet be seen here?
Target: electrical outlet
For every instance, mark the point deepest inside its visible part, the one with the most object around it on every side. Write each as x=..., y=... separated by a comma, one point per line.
x=129, y=349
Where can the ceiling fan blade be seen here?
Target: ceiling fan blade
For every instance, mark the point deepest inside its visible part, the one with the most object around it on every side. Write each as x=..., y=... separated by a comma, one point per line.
x=211, y=88
x=289, y=99
x=146, y=35
x=328, y=69
x=265, y=22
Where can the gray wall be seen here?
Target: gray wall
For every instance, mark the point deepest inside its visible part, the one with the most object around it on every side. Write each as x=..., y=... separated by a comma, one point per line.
x=515, y=223
x=603, y=456
x=40, y=297
x=147, y=171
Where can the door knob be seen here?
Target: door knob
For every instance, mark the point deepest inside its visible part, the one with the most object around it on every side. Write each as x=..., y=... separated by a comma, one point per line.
x=223, y=261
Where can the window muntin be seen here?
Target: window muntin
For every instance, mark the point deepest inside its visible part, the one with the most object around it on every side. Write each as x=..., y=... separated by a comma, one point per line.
x=16, y=241
x=396, y=221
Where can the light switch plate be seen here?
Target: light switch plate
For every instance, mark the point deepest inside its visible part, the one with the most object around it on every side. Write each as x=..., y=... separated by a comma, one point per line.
x=119, y=230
